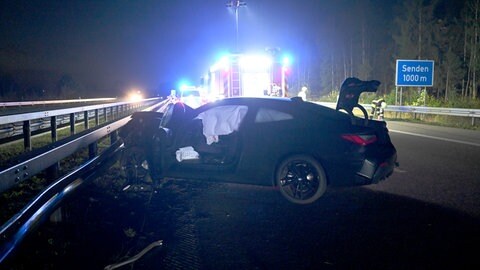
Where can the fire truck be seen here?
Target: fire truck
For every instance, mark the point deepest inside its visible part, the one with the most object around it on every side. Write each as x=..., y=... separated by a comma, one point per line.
x=247, y=75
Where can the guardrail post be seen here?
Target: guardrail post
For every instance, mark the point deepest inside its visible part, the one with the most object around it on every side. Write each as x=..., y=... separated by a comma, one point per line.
x=53, y=128
x=52, y=171
x=85, y=119
x=97, y=118
x=113, y=137
x=473, y=121
x=27, y=136
x=72, y=123
x=92, y=150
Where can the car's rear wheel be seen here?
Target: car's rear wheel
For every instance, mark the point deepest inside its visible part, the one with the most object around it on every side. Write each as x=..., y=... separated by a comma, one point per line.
x=301, y=179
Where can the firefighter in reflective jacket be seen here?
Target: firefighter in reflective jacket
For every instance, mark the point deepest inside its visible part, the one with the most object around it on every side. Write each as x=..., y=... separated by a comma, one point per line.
x=378, y=109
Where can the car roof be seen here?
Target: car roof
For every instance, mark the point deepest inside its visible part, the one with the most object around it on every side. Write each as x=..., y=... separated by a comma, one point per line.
x=296, y=103
x=248, y=101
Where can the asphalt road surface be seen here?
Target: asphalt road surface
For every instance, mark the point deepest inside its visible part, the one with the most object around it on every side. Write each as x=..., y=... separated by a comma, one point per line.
x=426, y=216
x=437, y=165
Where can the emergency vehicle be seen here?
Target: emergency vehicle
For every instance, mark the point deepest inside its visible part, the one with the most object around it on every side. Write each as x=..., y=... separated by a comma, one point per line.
x=192, y=96
x=247, y=75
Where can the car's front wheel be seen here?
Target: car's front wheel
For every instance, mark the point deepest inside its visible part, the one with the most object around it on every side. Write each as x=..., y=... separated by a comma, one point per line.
x=301, y=179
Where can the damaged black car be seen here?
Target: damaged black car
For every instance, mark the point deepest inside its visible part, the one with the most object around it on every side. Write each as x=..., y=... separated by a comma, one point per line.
x=299, y=147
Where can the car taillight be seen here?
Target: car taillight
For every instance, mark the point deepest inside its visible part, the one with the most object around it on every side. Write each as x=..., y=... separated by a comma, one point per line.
x=362, y=140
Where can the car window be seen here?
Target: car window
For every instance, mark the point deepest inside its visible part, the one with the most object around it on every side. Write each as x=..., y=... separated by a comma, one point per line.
x=265, y=115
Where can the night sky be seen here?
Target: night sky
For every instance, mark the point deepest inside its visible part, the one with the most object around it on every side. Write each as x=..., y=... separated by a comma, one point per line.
x=149, y=44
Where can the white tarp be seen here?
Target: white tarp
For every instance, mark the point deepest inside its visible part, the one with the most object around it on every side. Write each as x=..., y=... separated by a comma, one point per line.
x=221, y=120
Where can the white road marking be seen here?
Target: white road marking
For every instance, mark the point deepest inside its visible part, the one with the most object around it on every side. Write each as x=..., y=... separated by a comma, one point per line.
x=435, y=138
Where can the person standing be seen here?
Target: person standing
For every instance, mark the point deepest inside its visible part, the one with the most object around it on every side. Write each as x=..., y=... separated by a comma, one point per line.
x=303, y=93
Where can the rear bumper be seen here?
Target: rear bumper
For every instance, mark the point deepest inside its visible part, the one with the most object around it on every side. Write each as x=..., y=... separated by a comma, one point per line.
x=376, y=170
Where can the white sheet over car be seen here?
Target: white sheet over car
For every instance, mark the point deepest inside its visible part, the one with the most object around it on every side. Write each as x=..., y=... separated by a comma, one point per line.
x=221, y=120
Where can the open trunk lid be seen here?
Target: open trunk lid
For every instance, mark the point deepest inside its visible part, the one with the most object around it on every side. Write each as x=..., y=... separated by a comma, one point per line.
x=350, y=92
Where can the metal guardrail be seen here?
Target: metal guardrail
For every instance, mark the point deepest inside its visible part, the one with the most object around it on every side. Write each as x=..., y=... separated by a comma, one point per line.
x=50, y=102
x=49, y=113
x=45, y=203
x=49, y=155
x=27, y=123
x=473, y=113
x=435, y=110
x=30, y=167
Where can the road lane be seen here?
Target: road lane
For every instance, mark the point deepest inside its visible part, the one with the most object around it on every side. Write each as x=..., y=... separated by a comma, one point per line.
x=434, y=170
x=471, y=137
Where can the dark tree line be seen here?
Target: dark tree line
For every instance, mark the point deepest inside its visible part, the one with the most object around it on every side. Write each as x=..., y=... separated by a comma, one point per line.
x=361, y=38
x=34, y=86
x=364, y=41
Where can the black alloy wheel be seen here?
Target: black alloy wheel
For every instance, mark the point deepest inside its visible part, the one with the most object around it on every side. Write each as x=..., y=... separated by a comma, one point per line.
x=301, y=179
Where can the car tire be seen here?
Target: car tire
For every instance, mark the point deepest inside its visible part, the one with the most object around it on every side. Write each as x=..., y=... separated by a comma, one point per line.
x=301, y=179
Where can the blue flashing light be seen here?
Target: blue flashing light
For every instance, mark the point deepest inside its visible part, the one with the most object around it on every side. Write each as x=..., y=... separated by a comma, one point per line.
x=183, y=84
x=286, y=61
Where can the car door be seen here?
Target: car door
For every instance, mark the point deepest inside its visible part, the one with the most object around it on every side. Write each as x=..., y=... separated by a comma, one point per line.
x=269, y=134
x=217, y=153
